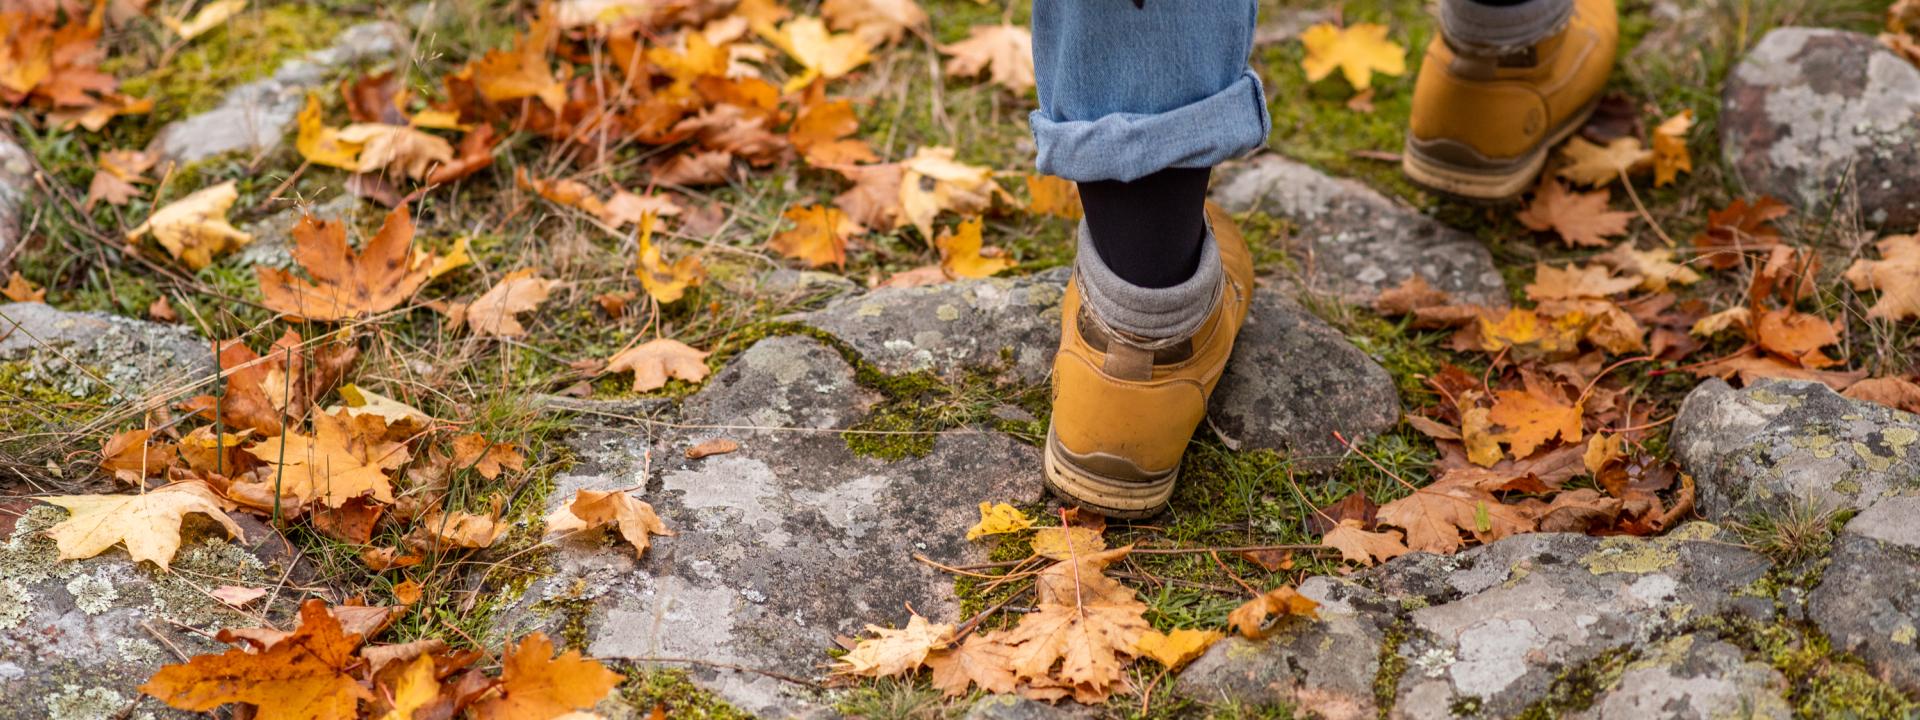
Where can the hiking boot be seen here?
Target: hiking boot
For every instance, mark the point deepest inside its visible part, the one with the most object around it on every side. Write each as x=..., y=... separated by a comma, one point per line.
x=1484, y=118
x=1124, y=408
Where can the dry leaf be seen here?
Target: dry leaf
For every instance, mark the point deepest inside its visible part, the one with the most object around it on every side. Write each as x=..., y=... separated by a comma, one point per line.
x=147, y=523
x=1257, y=617
x=654, y=361
x=894, y=652
x=535, y=684
x=396, y=148
x=876, y=22
x=820, y=132
x=1581, y=219
x=416, y=688
x=132, y=457
x=1896, y=275
x=1086, y=623
x=665, y=282
x=1738, y=228
x=1358, y=51
x=592, y=509
x=1893, y=392
x=999, y=519
x=819, y=235
x=823, y=54
x=710, y=448
x=485, y=456
x=981, y=660
x=1596, y=166
x=1066, y=543
x=523, y=72
x=346, y=284
x=210, y=16
x=520, y=291
x=20, y=289
x=305, y=676
x=346, y=457
x=194, y=229
x=1357, y=545
x=1054, y=196
x=874, y=199
x=1531, y=420
x=932, y=181
x=114, y=179
x=1178, y=648
x=960, y=253
x=1656, y=268
x=322, y=145
x=1006, y=51
x=237, y=596
x=1670, y=157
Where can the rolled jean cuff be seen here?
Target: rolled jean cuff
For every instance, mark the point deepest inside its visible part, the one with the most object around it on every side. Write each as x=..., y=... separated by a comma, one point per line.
x=1128, y=146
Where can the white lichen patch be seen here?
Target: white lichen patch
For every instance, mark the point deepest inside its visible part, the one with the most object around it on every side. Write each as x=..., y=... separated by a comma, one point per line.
x=92, y=594
x=73, y=702
x=16, y=603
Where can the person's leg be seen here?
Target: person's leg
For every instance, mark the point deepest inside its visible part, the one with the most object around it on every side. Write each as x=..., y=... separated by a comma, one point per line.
x=1138, y=101
x=1502, y=83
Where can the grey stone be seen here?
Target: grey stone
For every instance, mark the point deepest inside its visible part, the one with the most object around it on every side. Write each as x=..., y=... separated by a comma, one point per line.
x=791, y=282
x=1325, y=666
x=1809, y=109
x=1003, y=323
x=1354, y=242
x=780, y=546
x=1293, y=381
x=16, y=184
x=84, y=354
x=272, y=244
x=1013, y=707
x=1781, y=441
x=1868, y=601
x=1692, y=677
x=253, y=117
x=78, y=637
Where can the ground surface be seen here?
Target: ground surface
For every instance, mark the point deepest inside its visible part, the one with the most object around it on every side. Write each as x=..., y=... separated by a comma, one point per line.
x=873, y=422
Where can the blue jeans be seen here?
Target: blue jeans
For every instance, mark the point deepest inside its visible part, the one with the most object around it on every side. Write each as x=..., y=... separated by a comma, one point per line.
x=1126, y=91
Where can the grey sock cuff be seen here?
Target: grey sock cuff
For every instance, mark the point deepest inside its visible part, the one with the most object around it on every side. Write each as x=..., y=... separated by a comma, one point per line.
x=1498, y=28
x=1153, y=313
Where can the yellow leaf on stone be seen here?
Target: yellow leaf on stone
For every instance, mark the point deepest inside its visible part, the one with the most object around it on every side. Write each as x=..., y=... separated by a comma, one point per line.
x=998, y=520
x=210, y=16
x=894, y=652
x=1065, y=543
x=194, y=229
x=960, y=253
x=147, y=523
x=321, y=145
x=1358, y=51
x=592, y=508
x=1177, y=648
x=1254, y=619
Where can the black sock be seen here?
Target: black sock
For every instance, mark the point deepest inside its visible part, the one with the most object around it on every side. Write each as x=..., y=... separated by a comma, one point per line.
x=1149, y=231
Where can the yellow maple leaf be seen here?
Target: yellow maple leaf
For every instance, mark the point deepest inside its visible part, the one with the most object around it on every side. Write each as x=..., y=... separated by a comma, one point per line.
x=415, y=689
x=1670, y=156
x=664, y=281
x=345, y=457
x=1054, y=196
x=960, y=252
x=875, y=21
x=998, y=520
x=1359, y=51
x=148, y=524
x=592, y=508
x=194, y=228
x=1065, y=543
x=652, y=362
x=1531, y=420
x=1656, y=268
x=1257, y=617
x=1896, y=275
x=932, y=182
x=1593, y=165
x=1179, y=647
x=493, y=313
x=819, y=235
x=522, y=72
x=1005, y=51
x=1084, y=628
x=821, y=53
x=322, y=145
x=396, y=148
x=891, y=652
x=535, y=683
x=1581, y=219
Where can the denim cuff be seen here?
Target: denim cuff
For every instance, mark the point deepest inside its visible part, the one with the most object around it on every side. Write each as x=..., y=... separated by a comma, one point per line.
x=1128, y=146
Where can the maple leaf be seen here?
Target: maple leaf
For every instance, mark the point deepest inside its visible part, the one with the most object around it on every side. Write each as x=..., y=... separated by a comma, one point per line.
x=1896, y=275
x=1798, y=336
x=535, y=684
x=1521, y=327
x=1532, y=419
x=114, y=179
x=397, y=148
x=485, y=456
x=820, y=133
x=1004, y=50
x=473, y=154
x=981, y=660
x=320, y=144
x=1410, y=295
x=1893, y=392
x=652, y=362
x=264, y=391
x=1581, y=510
x=1066, y=543
x=305, y=676
x=1359, y=51
x=1085, y=622
x=998, y=520
x=346, y=284
x=399, y=417
x=439, y=529
x=592, y=508
x=822, y=54
x=1656, y=268
x=1581, y=219
x=1576, y=282
x=1719, y=322
x=1049, y=195
x=1357, y=545
x=1596, y=166
x=695, y=169
x=493, y=313
x=148, y=524
x=416, y=688
x=194, y=228
x=876, y=22
x=874, y=199
x=1750, y=366
x=892, y=652
x=210, y=16
x=932, y=181
x=564, y=191
x=522, y=72
x=20, y=289
x=131, y=456
x=346, y=457
x=665, y=282
x=1434, y=516
x=960, y=253
x=1177, y=648
x=627, y=208
x=1257, y=617
x=819, y=235
x=1670, y=157
x=729, y=129
x=1739, y=227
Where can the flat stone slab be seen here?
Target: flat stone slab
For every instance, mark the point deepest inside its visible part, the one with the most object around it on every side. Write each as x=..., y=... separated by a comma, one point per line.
x=1353, y=242
x=1487, y=632
x=1813, y=115
x=1868, y=601
x=781, y=546
x=78, y=637
x=84, y=354
x=1778, y=442
x=1293, y=380
x=252, y=118
x=16, y=184
x=1692, y=677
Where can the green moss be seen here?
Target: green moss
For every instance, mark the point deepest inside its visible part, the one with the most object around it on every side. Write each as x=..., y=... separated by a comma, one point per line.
x=1386, y=681
x=1822, y=681
x=1574, y=689
x=247, y=47
x=671, y=690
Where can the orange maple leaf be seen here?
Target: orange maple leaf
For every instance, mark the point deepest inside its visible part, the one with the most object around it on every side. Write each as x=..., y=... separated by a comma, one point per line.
x=346, y=284
x=819, y=236
x=535, y=684
x=302, y=677
x=1581, y=219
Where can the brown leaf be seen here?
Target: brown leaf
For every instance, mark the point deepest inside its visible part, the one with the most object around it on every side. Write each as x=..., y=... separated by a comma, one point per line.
x=819, y=236
x=1411, y=294
x=715, y=446
x=1259, y=616
x=1739, y=228
x=1357, y=545
x=346, y=285
x=132, y=456
x=1896, y=275
x=494, y=313
x=486, y=457
x=305, y=676
x=1005, y=50
x=535, y=683
x=654, y=361
x=1581, y=219
x=1893, y=392
x=592, y=509
x=874, y=199
x=981, y=660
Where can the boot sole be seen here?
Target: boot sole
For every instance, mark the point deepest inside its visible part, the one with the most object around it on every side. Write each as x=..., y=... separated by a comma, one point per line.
x=1481, y=185
x=1112, y=497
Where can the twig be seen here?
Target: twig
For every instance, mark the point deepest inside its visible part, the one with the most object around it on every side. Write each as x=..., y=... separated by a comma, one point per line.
x=1233, y=575
x=1644, y=215
x=1236, y=549
x=710, y=663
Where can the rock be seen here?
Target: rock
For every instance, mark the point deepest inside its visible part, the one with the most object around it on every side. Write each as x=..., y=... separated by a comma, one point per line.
x=1012, y=324
x=16, y=184
x=1866, y=601
x=788, y=282
x=78, y=637
x=1293, y=381
x=1692, y=677
x=1779, y=441
x=782, y=545
x=82, y=355
x=1812, y=115
x=1013, y=707
x=272, y=244
x=252, y=118
x=1325, y=667
x=1359, y=241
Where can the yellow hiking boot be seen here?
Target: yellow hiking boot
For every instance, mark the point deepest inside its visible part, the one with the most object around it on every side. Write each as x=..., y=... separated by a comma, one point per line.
x=1124, y=409
x=1482, y=122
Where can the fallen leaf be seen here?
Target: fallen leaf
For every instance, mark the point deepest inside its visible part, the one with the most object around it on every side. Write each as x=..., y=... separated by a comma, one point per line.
x=710, y=448
x=591, y=509
x=981, y=660
x=399, y=417
x=819, y=235
x=1049, y=195
x=892, y=652
x=20, y=289
x=1581, y=219
x=352, y=523
x=1005, y=51
x=1257, y=617
x=346, y=284
x=160, y=310
x=210, y=16
x=1893, y=392
x=960, y=252
x=1597, y=166
x=115, y=174
x=652, y=362
x=999, y=519
x=1656, y=268
x=823, y=54
x=417, y=688
x=1066, y=543
x=523, y=72
x=1359, y=546
x=932, y=182
x=407, y=592
x=1410, y=295
x=236, y=596
x=485, y=456
x=665, y=282
x=148, y=524
x=820, y=132
x=626, y=208
x=1670, y=157
x=1896, y=275
x=535, y=684
x=1739, y=228
x=1719, y=322
x=1576, y=282
x=396, y=148
x=1358, y=51
x=1085, y=622
x=133, y=456
x=874, y=200
x=194, y=229
x=876, y=22
x=1798, y=336
x=346, y=457
x=438, y=530
x=1531, y=420
x=1176, y=649
x=695, y=169
x=493, y=314
x=306, y=676
x=322, y=145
